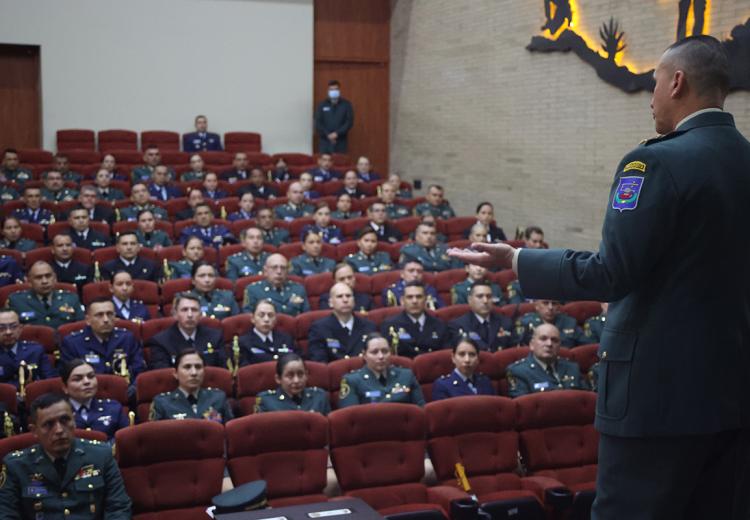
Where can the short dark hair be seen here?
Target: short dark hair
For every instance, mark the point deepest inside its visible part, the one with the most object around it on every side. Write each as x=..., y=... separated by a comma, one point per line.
x=68, y=366
x=186, y=295
x=339, y=267
x=482, y=204
x=480, y=283
x=366, y=231
x=190, y=239
x=334, y=83
x=464, y=338
x=309, y=232
x=44, y=401
x=531, y=230
x=185, y=352
x=114, y=274
x=285, y=360
x=202, y=205
x=243, y=233
x=99, y=299
x=141, y=212
x=27, y=188
x=76, y=208
x=705, y=63
x=414, y=284
x=126, y=233
x=201, y=263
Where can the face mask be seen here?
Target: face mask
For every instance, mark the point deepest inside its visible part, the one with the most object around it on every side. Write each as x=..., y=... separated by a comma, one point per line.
x=334, y=93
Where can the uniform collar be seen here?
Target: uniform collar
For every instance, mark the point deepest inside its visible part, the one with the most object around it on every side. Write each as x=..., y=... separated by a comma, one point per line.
x=542, y=363
x=695, y=114
x=262, y=336
x=77, y=406
x=480, y=319
x=419, y=321
x=186, y=336
x=348, y=324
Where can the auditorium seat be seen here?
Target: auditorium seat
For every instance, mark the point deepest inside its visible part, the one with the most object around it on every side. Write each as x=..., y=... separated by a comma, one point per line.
x=304, y=322
x=315, y=285
x=379, y=315
x=75, y=139
x=558, y=440
x=117, y=140
x=57, y=228
x=380, y=281
x=9, y=397
x=107, y=254
x=293, y=158
x=246, y=142
x=503, y=278
x=383, y=464
x=445, y=280
x=503, y=359
x=171, y=469
x=26, y=440
x=331, y=188
x=455, y=228
x=144, y=290
x=451, y=312
x=45, y=336
x=351, y=227
x=35, y=232
x=80, y=254
x=405, y=225
x=255, y=378
x=82, y=157
x=174, y=157
x=515, y=311
x=241, y=284
x=295, y=249
x=164, y=139
x=35, y=157
x=430, y=366
x=585, y=355
x=109, y=386
x=582, y=310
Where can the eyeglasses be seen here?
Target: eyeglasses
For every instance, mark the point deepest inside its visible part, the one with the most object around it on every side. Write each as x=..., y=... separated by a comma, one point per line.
x=9, y=326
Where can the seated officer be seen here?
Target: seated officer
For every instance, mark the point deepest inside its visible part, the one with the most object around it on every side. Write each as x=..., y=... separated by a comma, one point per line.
x=548, y=311
x=201, y=139
x=14, y=352
x=87, y=197
x=341, y=334
x=62, y=164
x=293, y=392
x=7, y=193
x=80, y=385
x=190, y=400
x=486, y=217
x=49, y=479
x=364, y=170
x=464, y=380
x=250, y=261
x=33, y=212
x=324, y=172
x=159, y=187
x=10, y=170
x=81, y=232
x=66, y=269
x=109, y=163
x=435, y=204
x=426, y=250
x=379, y=381
x=126, y=308
x=215, y=303
x=288, y=297
x=104, y=189
x=379, y=223
x=10, y=271
x=264, y=342
x=258, y=186
x=306, y=181
x=344, y=208
x=128, y=259
x=194, y=199
x=239, y=171
x=197, y=171
x=329, y=233
x=54, y=188
x=109, y=349
x=593, y=327
x=212, y=234
x=271, y=234
x=192, y=252
x=403, y=192
x=311, y=261
x=246, y=210
x=489, y=330
x=412, y=271
x=388, y=197
x=280, y=172
x=475, y=273
x=42, y=304
x=368, y=260
x=141, y=200
x=428, y=219
x=543, y=369
x=345, y=274
x=351, y=186
x=413, y=331
x=151, y=159
x=148, y=235
x=295, y=206
x=533, y=238
x=11, y=236
x=187, y=333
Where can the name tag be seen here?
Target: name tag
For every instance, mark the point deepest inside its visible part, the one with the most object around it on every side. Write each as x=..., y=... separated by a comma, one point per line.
x=256, y=350
x=474, y=336
x=404, y=335
x=288, y=219
x=364, y=268
x=326, y=109
x=28, y=315
x=373, y=394
x=37, y=490
x=92, y=358
x=541, y=386
x=333, y=343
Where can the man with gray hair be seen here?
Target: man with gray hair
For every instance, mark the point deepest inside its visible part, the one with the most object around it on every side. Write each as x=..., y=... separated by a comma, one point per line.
x=675, y=439
x=87, y=197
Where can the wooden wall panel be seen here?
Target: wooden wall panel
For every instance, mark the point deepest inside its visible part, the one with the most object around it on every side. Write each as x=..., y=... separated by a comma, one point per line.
x=20, y=97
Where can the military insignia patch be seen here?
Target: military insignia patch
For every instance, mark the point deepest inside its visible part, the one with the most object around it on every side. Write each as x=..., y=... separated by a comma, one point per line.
x=3, y=476
x=635, y=165
x=344, y=391
x=627, y=193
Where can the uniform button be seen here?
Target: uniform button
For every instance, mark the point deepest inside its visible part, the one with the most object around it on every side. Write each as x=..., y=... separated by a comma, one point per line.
x=64, y=494
x=604, y=354
x=66, y=512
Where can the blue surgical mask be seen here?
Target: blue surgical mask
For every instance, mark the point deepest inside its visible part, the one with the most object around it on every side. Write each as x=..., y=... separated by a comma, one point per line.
x=334, y=93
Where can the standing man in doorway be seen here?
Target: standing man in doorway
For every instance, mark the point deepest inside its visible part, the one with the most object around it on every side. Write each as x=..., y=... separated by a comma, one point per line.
x=334, y=118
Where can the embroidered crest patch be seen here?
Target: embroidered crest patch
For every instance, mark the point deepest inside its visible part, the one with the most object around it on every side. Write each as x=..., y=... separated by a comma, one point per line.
x=627, y=193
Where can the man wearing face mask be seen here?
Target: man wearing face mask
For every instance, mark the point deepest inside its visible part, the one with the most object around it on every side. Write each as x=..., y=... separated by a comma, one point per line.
x=334, y=118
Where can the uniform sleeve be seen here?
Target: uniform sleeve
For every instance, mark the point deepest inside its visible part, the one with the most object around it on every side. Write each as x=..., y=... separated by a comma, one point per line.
x=156, y=411
x=347, y=120
x=348, y=393
x=250, y=301
x=160, y=358
x=67, y=349
x=232, y=271
x=10, y=493
x=123, y=421
x=417, y=397
x=439, y=390
x=516, y=386
x=316, y=345
x=319, y=120
x=117, y=502
x=46, y=371
x=305, y=303
x=78, y=309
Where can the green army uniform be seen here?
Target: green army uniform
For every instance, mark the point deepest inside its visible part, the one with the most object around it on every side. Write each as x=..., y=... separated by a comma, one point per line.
x=180, y=269
x=244, y=264
x=593, y=328
x=221, y=305
x=91, y=487
x=397, y=211
x=290, y=211
x=441, y=238
x=341, y=215
x=22, y=245
x=436, y=259
x=593, y=377
x=19, y=175
x=528, y=376
x=290, y=299
x=276, y=236
x=362, y=387
x=571, y=334
x=192, y=176
x=212, y=404
x=7, y=194
x=63, y=195
x=377, y=262
x=313, y=399
x=156, y=238
x=112, y=195
x=305, y=265
x=131, y=212
x=63, y=307
x=71, y=176
x=460, y=293
x=444, y=210
x=515, y=296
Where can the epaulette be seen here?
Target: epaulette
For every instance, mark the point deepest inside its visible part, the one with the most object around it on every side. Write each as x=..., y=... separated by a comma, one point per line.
x=257, y=283
x=77, y=332
x=517, y=362
x=351, y=255
x=19, y=453
x=91, y=442
x=137, y=301
x=445, y=376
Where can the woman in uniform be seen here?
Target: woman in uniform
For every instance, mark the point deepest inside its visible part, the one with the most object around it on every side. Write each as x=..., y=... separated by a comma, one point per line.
x=148, y=235
x=311, y=261
x=292, y=392
x=192, y=252
x=215, y=303
x=464, y=380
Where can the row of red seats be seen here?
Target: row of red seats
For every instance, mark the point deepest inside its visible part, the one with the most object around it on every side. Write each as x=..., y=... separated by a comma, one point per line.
x=85, y=139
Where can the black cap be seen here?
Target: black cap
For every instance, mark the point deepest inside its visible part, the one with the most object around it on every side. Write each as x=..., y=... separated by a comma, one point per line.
x=242, y=498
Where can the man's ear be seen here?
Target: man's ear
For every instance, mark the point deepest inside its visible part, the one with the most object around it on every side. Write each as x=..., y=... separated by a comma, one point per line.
x=678, y=86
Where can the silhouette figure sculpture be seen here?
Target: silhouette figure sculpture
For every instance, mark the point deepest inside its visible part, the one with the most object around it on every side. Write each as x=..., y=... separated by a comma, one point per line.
x=699, y=13
x=562, y=13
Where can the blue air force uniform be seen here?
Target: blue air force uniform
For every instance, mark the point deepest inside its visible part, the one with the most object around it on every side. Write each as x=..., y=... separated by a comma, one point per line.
x=528, y=376
x=163, y=193
x=289, y=211
x=391, y=296
x=306, y=265
x=244, y=264
x=377, y=262
x=321, y=175
x=460, y=293
x=290, y=298
x=33, y=354
x=105, y=357
x=456, y=385
x=397, y=385
x=329, y=234
x=58, y=308
x=132, y=310
x=210, y=403
x=409, y=339
x=312, y=399
x=328, y=340
x=240, y=214
x=40, y=216
x=497, y=334
x=10, y=271
x=103, y=415
x=139, y=268
x=255, y=349
x=333, y=117
x=571, y=334
x=214, y=235
x=201, y=141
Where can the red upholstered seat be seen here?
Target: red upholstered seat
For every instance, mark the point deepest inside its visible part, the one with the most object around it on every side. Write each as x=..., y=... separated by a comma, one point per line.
x=286, y=449
x=80, y=254
x=117, y=140
x=585, y=355
x=515, y=311
x=304, y=322
x=378, y=316
x=8, y=397
x=26, y=440
x=503, y=278
x=246, y=142
x=451, y=312
x=45, y=336
x=173, y=468
x=163, y=139
x=69, y=328
x=253, y=379
x=18, y=256
x=382, y=463
x=75, y=139
x=503, y=359
x=293, y=159
x=454, y=228
x=582, y=310
x=109, y=387
x=430, y=366
x=35, y=156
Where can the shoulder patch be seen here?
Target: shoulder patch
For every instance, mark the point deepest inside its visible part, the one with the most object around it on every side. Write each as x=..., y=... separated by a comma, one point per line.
x=635, y=165
x=345, y=389
x=627, y=193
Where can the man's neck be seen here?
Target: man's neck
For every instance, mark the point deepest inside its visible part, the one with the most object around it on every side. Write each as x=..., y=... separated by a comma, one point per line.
x=187, y=333
x=415, y=317
x=128, y=260
x=482, y=317
x=343, y=318
x=102, y=338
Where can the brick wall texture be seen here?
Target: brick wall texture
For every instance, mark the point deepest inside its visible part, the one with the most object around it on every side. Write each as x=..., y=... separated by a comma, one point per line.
x=538, y=135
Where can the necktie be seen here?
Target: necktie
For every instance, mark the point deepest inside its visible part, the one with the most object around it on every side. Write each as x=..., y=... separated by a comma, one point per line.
x=191, y=342
x=84, y=412
x=297, y=399
x=268, y=343
x=485, y=331
x=163, y=193
x=382, y=380
x=46, y=303
x=551, y=372
x=61, y=465
x=192, y=399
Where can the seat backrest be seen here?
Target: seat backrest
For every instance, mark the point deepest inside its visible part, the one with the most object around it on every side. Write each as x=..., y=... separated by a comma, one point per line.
x=75, y=139
x=286, y=449
x=244, y=142
x=8, y=397
x=585, y=355
x=45, y=336
x=164, y=139
x=582, y=310
x=557, y=429
x=109, y=387
x=117, y=140
x=502, y=360
x=377, y=445
x=171, y=464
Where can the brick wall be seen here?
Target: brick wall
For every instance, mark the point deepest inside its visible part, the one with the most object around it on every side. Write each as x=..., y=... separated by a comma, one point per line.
x=539, y=135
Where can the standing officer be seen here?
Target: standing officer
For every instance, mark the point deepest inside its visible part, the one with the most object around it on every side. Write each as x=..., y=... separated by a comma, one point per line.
x=548, y=311
x=426, y=250
x=489, y=330
x=250, y=261
x=295, y=206
x=435, y=204
x=341, y=334
x=13, y=351
x=334, y=118
x=672, y=199
x=288, y=297
x=368, y=260
x=201, y=139
x=43, y=304
x=264, y=342
x=543, y=369
x=129, y=259
x=413, y=331
x=61, y=476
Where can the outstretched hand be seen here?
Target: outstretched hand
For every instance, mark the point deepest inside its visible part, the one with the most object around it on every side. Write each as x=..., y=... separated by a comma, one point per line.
x=497, y=256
